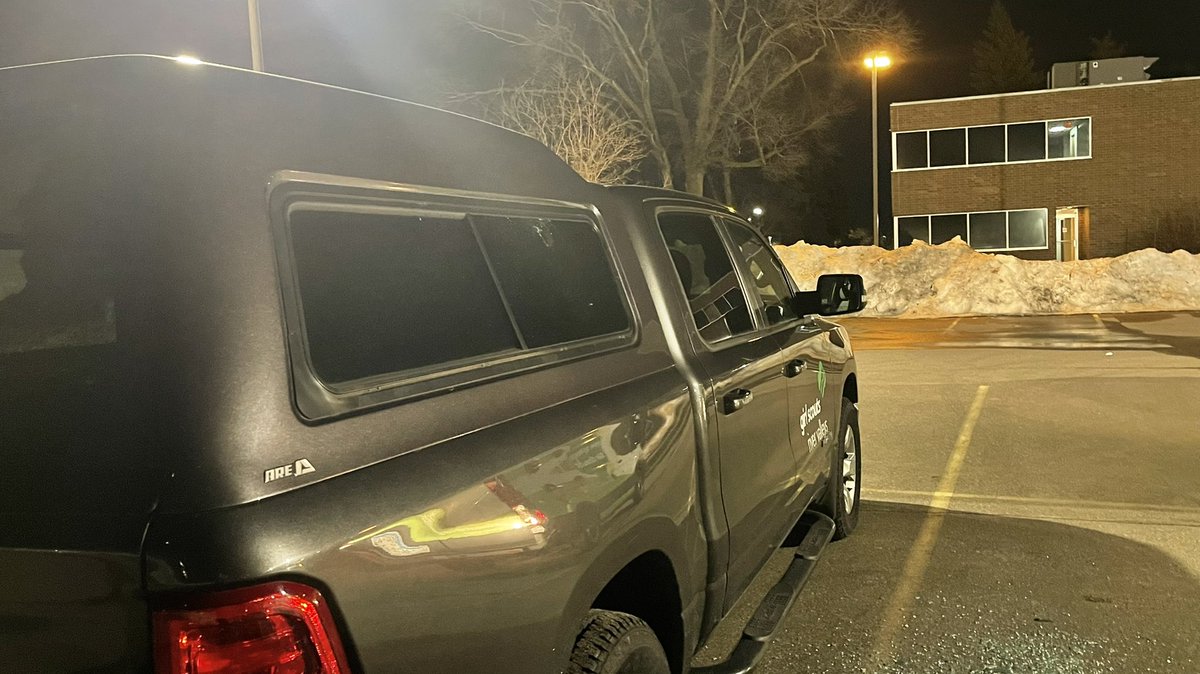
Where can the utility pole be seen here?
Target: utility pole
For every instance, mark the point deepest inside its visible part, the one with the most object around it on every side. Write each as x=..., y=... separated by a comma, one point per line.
x=256, y=56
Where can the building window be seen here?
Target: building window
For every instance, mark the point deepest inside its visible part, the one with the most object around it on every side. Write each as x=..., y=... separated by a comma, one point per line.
x=986, y=144
x=1070, y=138
x=948, y=147
x=989, y=231
x=1024, y=229
x=993, y=144
x=912, y=150
x=943, y=228
x=912, y=229
x=1027, y=142
x=1027, y=229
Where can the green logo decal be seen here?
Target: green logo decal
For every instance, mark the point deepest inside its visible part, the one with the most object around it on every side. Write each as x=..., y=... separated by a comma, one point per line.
x=821, y=377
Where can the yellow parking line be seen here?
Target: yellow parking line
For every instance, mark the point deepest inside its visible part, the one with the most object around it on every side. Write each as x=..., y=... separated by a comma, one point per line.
x=954, y=324
x=922, y=550
x=997, y=499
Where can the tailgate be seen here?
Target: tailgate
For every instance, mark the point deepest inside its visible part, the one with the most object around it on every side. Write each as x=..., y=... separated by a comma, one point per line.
x=72, y=612
x=80, y=462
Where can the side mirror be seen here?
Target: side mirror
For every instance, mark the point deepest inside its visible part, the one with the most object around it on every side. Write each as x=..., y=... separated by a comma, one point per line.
x=836, y=295
x=839, y=294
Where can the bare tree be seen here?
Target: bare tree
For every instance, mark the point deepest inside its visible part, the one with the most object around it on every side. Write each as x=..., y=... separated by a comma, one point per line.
x=715, y=85
x=570, y=114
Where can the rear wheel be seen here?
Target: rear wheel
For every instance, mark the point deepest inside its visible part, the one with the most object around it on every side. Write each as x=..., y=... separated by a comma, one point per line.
x=617, y=643
x=844, y=491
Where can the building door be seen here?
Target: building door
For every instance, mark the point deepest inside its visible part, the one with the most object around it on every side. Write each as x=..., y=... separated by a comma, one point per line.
x=1068, y=234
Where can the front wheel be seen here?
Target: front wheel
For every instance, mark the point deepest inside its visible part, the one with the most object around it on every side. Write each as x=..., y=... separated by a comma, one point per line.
x=844, y=491
x=617, y=643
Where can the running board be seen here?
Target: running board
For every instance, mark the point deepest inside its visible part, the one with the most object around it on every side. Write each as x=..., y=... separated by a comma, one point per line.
x=775, y=606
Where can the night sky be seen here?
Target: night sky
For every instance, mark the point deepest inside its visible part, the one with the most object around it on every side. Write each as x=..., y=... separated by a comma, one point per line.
x=394, y=47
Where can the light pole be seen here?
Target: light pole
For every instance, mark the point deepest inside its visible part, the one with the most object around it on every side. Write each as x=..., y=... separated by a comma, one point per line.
x=875, y=62
x=256, y=58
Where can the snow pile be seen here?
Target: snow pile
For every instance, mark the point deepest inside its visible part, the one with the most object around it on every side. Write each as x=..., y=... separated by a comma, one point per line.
x=952, y=279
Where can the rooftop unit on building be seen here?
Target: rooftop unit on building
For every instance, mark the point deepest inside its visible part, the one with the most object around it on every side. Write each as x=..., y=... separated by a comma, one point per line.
x=1102, y=71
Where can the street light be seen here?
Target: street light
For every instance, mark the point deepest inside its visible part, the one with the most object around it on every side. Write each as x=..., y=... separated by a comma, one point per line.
x=875, y=62
x=880, y=61
x=758, y=211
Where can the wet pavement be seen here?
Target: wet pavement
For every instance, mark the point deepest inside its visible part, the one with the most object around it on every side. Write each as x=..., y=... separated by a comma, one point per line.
x=1150, y=331
x=1032, y=504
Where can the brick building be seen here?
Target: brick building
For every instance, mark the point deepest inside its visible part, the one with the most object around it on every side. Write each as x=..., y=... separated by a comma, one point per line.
x=1055, y=174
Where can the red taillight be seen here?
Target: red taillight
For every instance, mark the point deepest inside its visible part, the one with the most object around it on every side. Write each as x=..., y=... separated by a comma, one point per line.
x=280, y=628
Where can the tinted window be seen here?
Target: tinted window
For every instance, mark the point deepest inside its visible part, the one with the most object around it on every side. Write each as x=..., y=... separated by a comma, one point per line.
x=555, y=277
x=706, y=273
x=384, y=294
x=77, y=402
x=913, y=229
x=946, y=227
x=948, y=147
x=986, y=144
x=989, y=231
x=1026, y=142
x=1027, y=229
x=911, y=150
x=769, y=279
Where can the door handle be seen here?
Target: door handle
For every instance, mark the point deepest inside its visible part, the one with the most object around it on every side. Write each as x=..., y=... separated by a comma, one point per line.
x=795, y=368
x=737, y=399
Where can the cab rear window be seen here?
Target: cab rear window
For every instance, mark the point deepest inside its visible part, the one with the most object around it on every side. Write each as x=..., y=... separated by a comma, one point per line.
x=393, y=296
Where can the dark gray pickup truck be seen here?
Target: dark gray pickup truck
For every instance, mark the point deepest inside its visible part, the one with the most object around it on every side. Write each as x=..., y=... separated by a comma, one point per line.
x=298, y=379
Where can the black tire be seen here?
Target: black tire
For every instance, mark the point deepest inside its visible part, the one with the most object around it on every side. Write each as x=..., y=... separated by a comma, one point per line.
x=617, y=643
x=834, y=504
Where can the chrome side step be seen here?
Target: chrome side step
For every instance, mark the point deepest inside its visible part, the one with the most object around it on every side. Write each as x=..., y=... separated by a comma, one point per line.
x=774, y=608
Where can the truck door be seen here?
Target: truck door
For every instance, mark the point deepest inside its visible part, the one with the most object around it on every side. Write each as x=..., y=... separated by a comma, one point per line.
x=743, y=366
x=814, y=407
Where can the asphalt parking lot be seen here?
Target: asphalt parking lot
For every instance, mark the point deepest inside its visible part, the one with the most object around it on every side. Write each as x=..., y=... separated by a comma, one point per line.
x=1031, y=504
